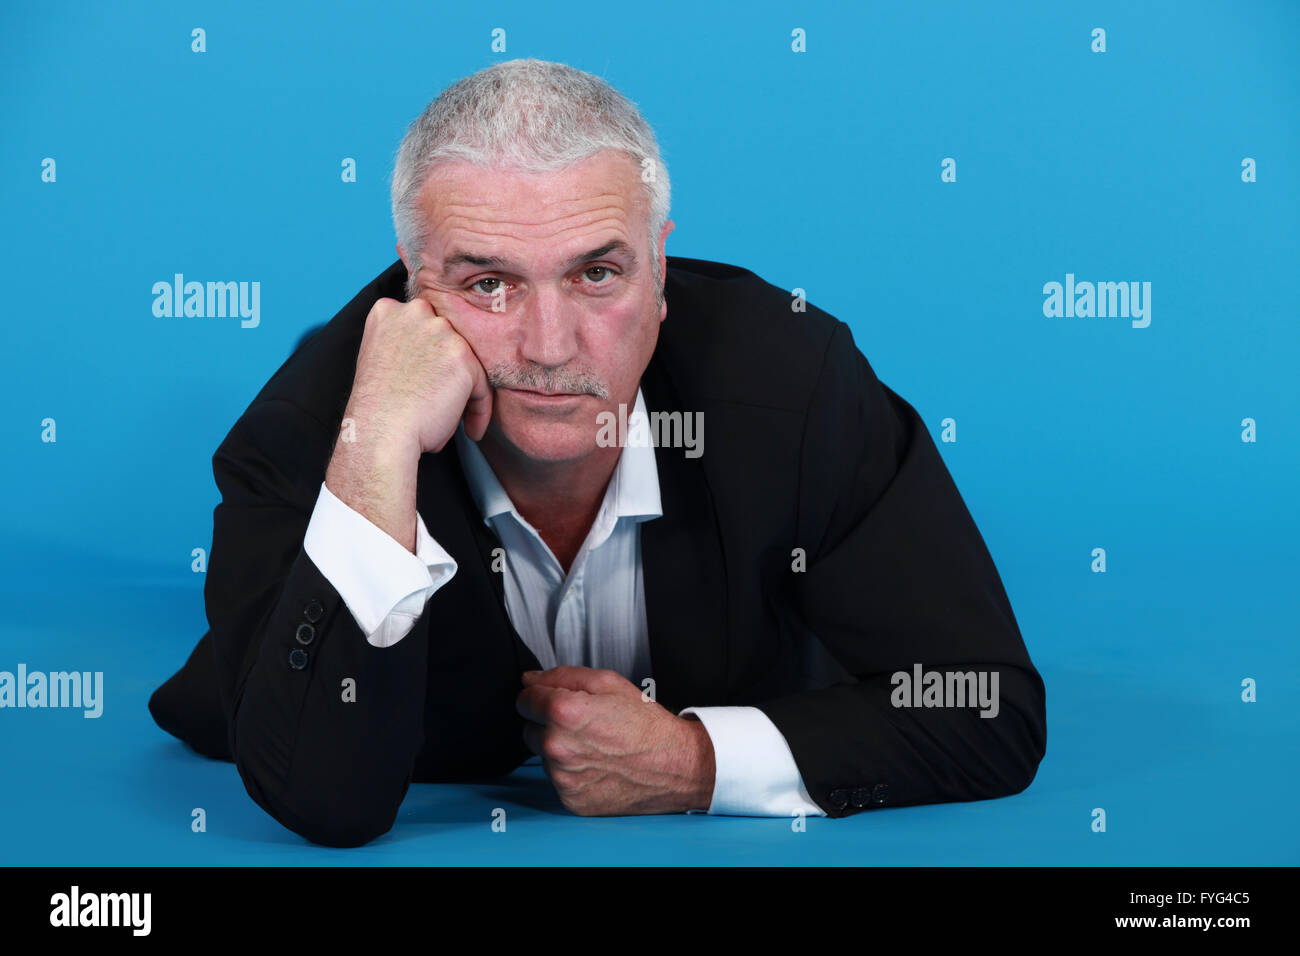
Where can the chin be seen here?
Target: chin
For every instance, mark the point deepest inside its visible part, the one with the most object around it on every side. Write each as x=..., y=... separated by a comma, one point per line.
x=550, y=440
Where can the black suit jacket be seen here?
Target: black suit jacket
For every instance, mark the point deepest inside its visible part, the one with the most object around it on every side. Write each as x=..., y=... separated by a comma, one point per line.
x=804, y=449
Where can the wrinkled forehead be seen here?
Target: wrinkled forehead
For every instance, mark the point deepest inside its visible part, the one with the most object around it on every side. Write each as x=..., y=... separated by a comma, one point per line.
x=506, y=212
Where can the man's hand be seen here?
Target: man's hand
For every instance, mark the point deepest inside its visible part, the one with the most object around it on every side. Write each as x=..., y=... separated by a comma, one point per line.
x=609, y=751
x=416, y=379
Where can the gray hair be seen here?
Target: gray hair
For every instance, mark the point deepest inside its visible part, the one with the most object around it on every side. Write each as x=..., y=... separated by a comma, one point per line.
x=531, y=115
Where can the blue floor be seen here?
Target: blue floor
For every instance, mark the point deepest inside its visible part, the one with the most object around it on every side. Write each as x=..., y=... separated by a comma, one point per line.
x=1145, y=721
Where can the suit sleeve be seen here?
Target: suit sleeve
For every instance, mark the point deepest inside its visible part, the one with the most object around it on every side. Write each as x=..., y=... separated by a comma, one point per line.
x=383, y=585
x=324, y=726
x=897, y=575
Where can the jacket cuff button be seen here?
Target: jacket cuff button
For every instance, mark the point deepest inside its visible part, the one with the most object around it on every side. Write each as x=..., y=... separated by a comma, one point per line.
x=305, y=634
x=297, y=658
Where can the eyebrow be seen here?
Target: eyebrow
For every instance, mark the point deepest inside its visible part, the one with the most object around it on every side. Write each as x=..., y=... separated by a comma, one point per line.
x=497, y=262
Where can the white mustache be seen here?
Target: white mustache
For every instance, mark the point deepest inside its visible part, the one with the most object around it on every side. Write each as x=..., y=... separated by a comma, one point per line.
x=568, y=383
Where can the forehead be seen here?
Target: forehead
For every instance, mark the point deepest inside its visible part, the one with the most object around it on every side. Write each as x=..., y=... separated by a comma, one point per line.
x=496, y=210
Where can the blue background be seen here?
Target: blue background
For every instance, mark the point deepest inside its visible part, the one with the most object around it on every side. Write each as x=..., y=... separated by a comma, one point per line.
x=818, y=170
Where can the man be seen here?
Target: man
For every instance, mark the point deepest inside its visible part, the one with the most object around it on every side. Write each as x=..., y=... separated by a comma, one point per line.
x=434, y=555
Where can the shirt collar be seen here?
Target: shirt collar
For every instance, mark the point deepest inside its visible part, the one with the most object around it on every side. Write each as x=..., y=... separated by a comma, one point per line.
x=633, y=490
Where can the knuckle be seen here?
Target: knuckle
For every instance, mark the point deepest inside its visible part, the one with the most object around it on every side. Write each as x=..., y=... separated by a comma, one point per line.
x=568, y=782
x=382, y=306
x=567, y=711
x=456, y=348
x=418, y=306
x=556, y=750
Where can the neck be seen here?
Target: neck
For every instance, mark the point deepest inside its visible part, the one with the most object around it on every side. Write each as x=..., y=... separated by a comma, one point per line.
x=559, y=499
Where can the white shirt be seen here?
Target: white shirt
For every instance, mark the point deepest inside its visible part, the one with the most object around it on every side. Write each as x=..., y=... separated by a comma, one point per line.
x=593, y=616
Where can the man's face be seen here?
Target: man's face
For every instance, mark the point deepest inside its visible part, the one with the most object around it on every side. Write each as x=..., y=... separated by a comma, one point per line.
x=565, y=257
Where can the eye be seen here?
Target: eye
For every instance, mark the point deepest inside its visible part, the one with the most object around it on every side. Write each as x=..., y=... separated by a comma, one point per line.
x=475, y=286
x=604, y=273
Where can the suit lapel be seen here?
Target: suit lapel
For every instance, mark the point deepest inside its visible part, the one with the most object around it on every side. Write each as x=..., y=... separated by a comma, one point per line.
x=684, y=571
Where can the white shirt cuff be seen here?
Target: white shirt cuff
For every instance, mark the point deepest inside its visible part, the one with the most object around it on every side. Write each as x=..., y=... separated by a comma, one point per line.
x=383, y=585
x=755, y=773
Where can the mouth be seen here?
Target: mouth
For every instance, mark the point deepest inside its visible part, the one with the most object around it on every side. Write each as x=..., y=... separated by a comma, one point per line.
x=546, y=398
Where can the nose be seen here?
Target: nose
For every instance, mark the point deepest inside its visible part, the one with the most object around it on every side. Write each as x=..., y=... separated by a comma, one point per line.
x=549, y=327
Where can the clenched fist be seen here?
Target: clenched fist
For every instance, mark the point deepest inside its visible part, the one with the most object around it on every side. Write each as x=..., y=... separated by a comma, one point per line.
x=416, y=379
x=610, y=751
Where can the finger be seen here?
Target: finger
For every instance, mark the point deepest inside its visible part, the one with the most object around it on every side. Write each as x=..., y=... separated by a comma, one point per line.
x=567, y=676
x=585, y=679
x=536, y=703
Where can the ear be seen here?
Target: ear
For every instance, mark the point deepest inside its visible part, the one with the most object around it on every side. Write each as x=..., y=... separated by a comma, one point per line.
x=401, y=254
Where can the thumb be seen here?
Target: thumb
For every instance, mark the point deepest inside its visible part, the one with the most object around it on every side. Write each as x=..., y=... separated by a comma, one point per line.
x=478, y=410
